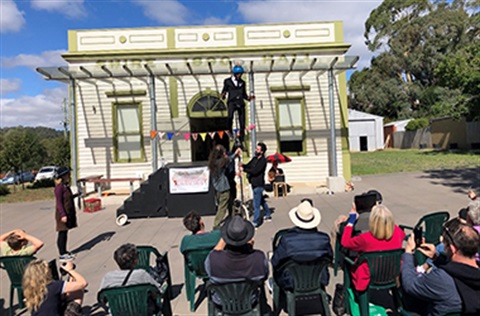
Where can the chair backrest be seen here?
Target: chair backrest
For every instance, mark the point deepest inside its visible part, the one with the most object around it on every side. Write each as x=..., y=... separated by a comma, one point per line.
x=306, y=275
x=128, y=300
x=144, y=253
x=279, y=178
x=433, y=225
x=15, y=266
x=195, y=261
x=384, y=267
x=238, y=298
x=276, y=238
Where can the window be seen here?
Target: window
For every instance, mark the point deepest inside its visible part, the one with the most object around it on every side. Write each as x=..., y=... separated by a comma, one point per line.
x=291, y=130
x=127, y=133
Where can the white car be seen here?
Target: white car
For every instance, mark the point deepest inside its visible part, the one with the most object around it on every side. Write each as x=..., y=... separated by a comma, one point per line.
x=47, y=172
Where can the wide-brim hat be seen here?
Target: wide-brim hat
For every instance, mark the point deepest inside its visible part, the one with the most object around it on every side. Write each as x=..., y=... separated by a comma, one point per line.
x=62, y=171
x=305, y=216
x=237, y=231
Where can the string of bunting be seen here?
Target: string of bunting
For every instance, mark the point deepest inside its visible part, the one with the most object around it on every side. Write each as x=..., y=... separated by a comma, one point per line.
x=195, y=136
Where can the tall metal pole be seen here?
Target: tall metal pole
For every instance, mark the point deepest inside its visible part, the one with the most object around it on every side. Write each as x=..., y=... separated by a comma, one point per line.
x=333, y=144
x=65, y=118
x=153, y=121
x=253, y=133
x=73, y=132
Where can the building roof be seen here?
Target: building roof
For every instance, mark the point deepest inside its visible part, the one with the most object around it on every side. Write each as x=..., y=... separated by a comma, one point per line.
x=354, y=115
x=397, y=123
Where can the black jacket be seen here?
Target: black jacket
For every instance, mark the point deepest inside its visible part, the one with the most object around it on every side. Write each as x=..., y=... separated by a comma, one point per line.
x=255, y=170
x=467, y=281
x=236, y=94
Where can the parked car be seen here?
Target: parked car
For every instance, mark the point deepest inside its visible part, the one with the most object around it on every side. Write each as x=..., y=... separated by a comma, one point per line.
x=47, y=172
x=21, y=177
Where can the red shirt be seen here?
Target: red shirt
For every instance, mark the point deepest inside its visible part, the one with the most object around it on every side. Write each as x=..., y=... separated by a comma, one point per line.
x=366, y=242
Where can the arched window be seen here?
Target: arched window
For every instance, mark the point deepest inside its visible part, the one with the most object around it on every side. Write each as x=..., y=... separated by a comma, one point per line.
x=207, y=103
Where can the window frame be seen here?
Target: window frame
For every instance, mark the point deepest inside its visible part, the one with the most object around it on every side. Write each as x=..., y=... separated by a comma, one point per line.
x=116, y=134
x=301, y=99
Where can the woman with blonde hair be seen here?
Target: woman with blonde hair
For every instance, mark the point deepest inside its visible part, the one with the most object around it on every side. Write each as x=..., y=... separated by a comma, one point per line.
x=383, y=234
x=45, y=296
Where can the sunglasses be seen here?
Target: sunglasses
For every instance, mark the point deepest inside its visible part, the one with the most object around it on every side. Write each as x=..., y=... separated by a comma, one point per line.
x=450, y=235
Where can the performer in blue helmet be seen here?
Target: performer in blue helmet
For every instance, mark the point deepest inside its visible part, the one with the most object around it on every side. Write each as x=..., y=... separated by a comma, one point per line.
x=237, y=93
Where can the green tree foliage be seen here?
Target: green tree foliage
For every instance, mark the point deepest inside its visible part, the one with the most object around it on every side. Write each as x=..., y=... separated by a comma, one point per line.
x=419, y=123
x=412, y=38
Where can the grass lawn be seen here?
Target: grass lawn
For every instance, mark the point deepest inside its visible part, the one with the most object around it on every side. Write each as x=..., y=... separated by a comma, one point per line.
x=406, y=160
x=17, y=194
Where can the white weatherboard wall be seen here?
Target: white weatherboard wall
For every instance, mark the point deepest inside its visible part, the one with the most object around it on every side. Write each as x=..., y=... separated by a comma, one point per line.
x=362, y=124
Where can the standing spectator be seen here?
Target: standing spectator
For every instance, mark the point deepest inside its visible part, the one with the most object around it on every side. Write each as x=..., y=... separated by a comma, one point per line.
x=199, y=239
x=45, y=296
x=15, y=243
x=218, y=163
x=454, y=286
x=65, y=214
x=383, y=235
x=255, y=170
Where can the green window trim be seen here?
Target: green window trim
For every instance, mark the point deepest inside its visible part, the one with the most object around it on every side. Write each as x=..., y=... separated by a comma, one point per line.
x=125, y=93
x=290, y=88
x=115, y=106
x=277, y=124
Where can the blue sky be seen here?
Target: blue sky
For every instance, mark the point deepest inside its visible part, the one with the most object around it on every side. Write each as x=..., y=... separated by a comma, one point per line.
x=33, y=33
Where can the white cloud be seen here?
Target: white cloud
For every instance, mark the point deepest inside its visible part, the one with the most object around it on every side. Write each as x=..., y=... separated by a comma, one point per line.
x=9, y=85
x=353, y=13
x=45, y=59
x=165, y=11
x=40, y=110
x=212, y=20
x=11, y=19
x=71, y=8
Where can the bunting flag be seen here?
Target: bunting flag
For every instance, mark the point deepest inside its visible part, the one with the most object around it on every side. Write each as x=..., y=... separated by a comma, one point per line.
x=203, y=135
x=161, y=134
x=252, y=126
x=228, y=133
x=169, y=135
x=235, y=131
x=177, y=133
x=195, y=136
x=220, y=133
x=212, y=134
x=153, y=134
x=186, y=136
x=247, y=131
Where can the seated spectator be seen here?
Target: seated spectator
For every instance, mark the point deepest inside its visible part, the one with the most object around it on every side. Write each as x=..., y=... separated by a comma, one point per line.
x=237, y=261
x=199, y=239
x=473, y=215
x=383, y=235
x=454, y=286
x=272, y=176
x=15, y=243
x=303, y=243
x=45, y=296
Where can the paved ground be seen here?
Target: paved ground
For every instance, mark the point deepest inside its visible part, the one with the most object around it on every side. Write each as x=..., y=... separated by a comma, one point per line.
x=408, y=195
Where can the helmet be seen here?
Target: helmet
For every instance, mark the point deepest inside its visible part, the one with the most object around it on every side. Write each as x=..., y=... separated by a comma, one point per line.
x=237, y=70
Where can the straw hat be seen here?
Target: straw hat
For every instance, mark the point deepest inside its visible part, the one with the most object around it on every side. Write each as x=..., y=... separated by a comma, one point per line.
x=305, y=216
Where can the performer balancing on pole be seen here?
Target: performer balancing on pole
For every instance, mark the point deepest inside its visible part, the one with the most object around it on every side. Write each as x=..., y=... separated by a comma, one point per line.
x=237, y=93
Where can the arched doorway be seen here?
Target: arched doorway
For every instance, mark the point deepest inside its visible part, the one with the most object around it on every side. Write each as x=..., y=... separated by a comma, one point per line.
x=207, y=113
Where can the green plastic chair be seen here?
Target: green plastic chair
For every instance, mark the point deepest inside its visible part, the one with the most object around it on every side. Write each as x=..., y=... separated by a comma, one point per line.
x=339, y=250
x=384, y=269
x=133, y=300
x=145, y=254
x=15, y=266
x=194, y=267
x=276, y=238
x=236, y=298
x=306, y=279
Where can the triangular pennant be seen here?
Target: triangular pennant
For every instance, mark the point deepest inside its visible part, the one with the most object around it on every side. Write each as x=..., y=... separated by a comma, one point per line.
x=212, y=134
x=186, y=136
x=235, y=131
x=228, y=134
x=246, y=131
x=195, y=136
x=203, y=135
x=252, y=126
x=220, y=133
x=177, y=133
x=153, y=134
x=169, y=135
x=161, y=134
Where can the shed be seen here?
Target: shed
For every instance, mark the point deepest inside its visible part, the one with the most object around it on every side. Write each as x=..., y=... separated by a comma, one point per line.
x=365, y=131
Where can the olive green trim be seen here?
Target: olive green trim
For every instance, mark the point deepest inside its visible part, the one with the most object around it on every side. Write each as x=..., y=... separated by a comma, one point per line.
x=171, y=38
x=115, y=106
x=208, y=113
x=173, y=90
x=240, y=36
x=342, y=89
x=338, y=29
x=72, y=41
x=291, y=88
x=126, y=93
x=74, y=96
x=277, y=124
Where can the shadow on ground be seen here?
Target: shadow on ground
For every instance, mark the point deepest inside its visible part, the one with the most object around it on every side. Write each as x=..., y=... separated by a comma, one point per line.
x=461, y=180
x=94, y=241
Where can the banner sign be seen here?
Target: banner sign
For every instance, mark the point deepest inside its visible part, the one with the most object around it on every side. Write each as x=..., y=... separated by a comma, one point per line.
x=189, y=180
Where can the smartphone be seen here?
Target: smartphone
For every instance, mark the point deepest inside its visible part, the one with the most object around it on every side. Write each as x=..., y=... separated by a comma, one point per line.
x=365, y=202
x=52, y=264
x=418, y=236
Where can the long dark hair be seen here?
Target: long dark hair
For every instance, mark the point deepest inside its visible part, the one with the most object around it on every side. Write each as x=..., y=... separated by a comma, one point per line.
x=217, y=160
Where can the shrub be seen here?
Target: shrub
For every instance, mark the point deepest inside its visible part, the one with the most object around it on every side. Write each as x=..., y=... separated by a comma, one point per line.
x=44, y=183
x=419, y=123
x=4, y=190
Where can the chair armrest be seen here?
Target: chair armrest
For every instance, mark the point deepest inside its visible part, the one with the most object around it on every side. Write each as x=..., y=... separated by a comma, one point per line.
x=350, y=261
x=403, y=227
